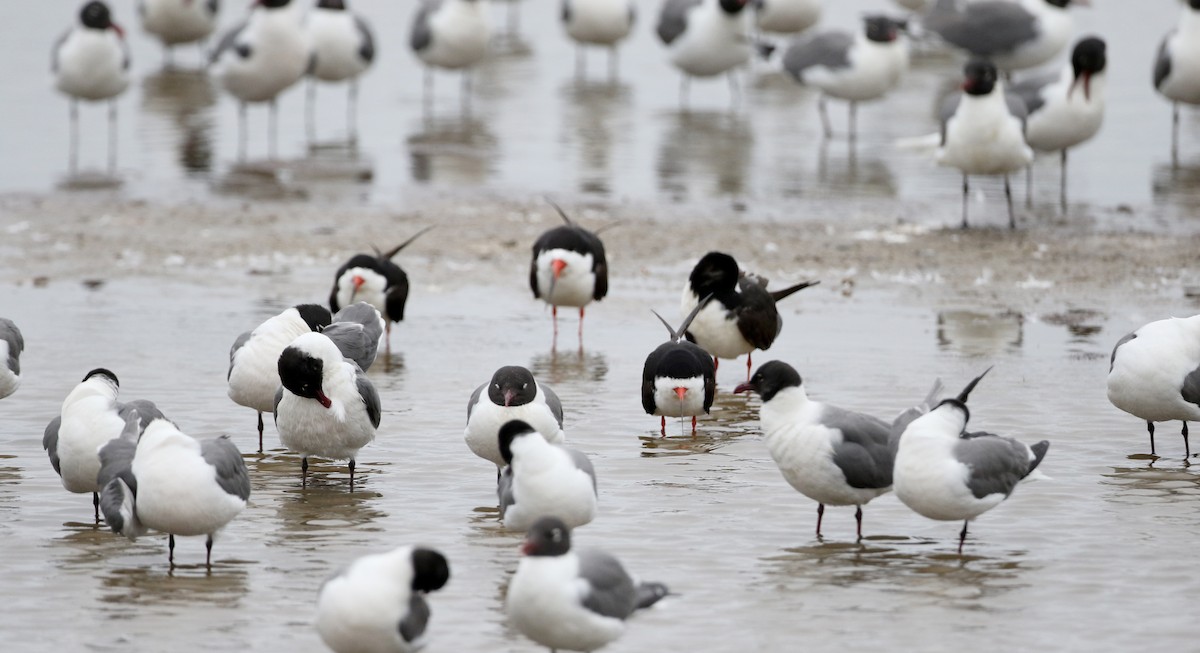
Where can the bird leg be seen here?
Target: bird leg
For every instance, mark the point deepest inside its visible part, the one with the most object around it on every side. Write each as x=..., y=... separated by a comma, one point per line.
x=580, y=326
x=820, y=515
x=387, y=344
x=352, y=114
x=1012, y=220
x=466, y=93
x=171, y=549
x=96, y=505
x=310, y=118
x=966, y=190
x=683, y=93
x=1150, y=428
x=112, y=136
x=735, y=93
x=554, y=318
x=580, y=64
x=208, y=552
x=1029, y=186
x=716, y=364
x=663, y=428
x=824, y=111
x=274, y=129
x=304, y=471
x=260, y=430
x=853, y=121
x=1175, y=136
x=427, y=92
x=693, y=426
x=74, y=160
x=1187, y=450
x=858, y=518
x=351, y=474
x=749, y=362
x=613, y=61
x=1063, y=184
x=242, y=134
x=962, y=537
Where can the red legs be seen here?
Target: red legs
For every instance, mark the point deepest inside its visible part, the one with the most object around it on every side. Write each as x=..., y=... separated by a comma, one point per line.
x=662, y=429
x=716, y=364
x=749, y=362
x=858, y=518
x=693, y=426
x=820, y=515
x=581, y=325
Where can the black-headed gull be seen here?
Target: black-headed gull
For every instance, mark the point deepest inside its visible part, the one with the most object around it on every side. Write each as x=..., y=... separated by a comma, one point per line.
x=1177, y=67
x=450, y=34
x=603, y=23
x=678, y=379
x=543, y=480
x=568, y=268
x=705, y=38
x=511, y=394
x=11, y=346
x=343, y=47
x=174, y=22
x=1014, y=35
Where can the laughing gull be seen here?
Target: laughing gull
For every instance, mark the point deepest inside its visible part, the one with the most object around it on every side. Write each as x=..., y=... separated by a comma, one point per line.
x=253, y=375
x=90, y=417
x=376, y=280
x=91, y=63
x=1177, y=68
x=742, y=316
x=450, y=34
x=326, y=406
x=261, y=58
x=604, y=23
x=543, y=480
x=343, y=47
x=983, y=132
x=512, y=394
x=1065, y=108
x=855, y=68
x=943, y=472
x=568, y=268
x=377, y=603
x=170, y=482
x=679, y=379
x=572, y=600
x=786, y=16
x=1154, y=374
x=356, y=331
x=831, y=455
x=11, y=346
x=178, y=21
x=705, y=38
x=1014, y=35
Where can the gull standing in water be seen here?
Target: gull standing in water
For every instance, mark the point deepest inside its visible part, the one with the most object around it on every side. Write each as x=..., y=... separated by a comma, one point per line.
x=450, y=34
x=11, y=346
x=604, y=23
x=1177, y=68
x=705, y=38
x=343, y=48
x=512, y=394
x=178, y=21
x=543, y=480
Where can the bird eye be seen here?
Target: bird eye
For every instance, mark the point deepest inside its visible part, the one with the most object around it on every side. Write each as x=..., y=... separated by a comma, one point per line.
x=556, y=535
x=496, y=385
x=524, y=385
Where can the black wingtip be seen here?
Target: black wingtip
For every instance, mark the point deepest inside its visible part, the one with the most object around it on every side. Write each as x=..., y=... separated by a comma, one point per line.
x=396, y=250
x=650, y=593
x=788, y=292
x=962, y=396
x=1039, y=453
x=561, y=213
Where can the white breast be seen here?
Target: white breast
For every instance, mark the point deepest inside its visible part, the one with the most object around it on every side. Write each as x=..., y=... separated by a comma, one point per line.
x=460, y=35
x=787, y=16
x=599, y=22
x=177, y=490
x=279, y=57
x=713, y=43
x=1183, y=48
x=544, y=603
x=337, y=432
x=91, y=65
x=576, y=285
x=177, y=21
x=361, y=609
x=983, y=138
x=336, y=42
x=875, y=69
x=1056, y=28
x=546, y=483
x=88, y=423
x=714, y=328
x=254, y=376
x=1147, y=374
x=9, y=382
x=483, y=426
x=1066, y=121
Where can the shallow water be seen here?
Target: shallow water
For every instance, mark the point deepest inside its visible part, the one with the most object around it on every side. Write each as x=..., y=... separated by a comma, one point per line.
x=533, y=128
x=1093, y=559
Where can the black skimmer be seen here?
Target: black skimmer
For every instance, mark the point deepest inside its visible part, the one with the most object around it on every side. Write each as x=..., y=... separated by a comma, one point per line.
x=175, y=22
x=376, y=280
x=679, y=379
x=742, y=316
x=943, y=472
x=326, y=406
x=604, y=23
x=1177, y=68
x=512, y=394
x=983, y=132
x=572, y=599
x=543, y=480
x=91, y=63
x=1014, y=35
x=568, y=268
x=170, y=482
x=377, y=602
x=343, y=47
x=11, y=346
x=450, y=34
x=705, y=38
x=253, y=375
x=1154, y=374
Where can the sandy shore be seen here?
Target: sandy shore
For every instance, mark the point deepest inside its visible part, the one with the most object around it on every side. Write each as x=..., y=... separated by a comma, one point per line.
x=75, y=237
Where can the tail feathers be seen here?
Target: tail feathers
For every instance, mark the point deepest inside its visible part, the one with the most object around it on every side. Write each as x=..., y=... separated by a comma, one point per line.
x=778, y=295
x=1039, y=452
x=119, y=506
x=650, y=593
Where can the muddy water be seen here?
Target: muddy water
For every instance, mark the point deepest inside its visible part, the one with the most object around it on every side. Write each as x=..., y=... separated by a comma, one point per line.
x=1094, y=559
x=533, y=128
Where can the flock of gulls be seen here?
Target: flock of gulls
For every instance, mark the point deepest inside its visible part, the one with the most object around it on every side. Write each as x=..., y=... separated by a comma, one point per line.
x=306, y=367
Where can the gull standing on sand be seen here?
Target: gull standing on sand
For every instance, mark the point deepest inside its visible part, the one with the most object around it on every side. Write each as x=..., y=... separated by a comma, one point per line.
x=1065, y=108
x=171, y=482
x=1177, y=68
x=786, y=16
x=261, y=58
x=512, y=394
x=91, y=63
x=253, y=375
x=326, y=406
x=543, y=480
x=679, y=379
x=833, y=456
x=90, y=417
x=742, y=316
x=943, y=472
x=1014, y=35
x=983, y=132
x=11, y=346
x=604, y=23
x=568, y=268
x=1154, y=374
x=376, y=280
x=376, y=604
x=705, y=38
x=855, y=68
x=178, y=21
x=450, y=34
x=574, y=600
x=343, y=48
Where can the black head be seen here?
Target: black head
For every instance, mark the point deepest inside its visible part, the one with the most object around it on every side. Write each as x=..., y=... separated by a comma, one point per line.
x=509, y=432
x=1194, y=4
x=960, y=406
x=1063, y=4
x=979, y=77
x=430, y=570
x=770, y=379
x=336, y=5
x=548, y=536
x=301, y=373
x=882, y=29
x=512, y=385
x=733, y=7
x=95, y=15
x=1087, y=59
x=716, y=273
x=315, y=316
x=274, y=4
x=101, y=372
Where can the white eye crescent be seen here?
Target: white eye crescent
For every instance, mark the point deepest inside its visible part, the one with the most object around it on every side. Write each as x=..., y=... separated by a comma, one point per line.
x=524, y=385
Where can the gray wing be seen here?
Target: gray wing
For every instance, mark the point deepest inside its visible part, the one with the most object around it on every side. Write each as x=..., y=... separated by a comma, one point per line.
x=1191, y=387
x=413, y=624
x=1162, y=64
x=370, y=398
x=367, y=48
x=50, y=443
x=553, y=402
x=985, y=28
x=504, y=490
x=672, y=22
x=1016, y=107
x=224, y=456
x=237, y=344
x=864, y=455
x=228, y=42
x=582, y=462
x=1030, y=91
x=1126, y=338
x=54, y=50
x=474, y=400
x=116, y=456
x=566, y=11
x=421, y=34
x=906, y=417
x=610, y=589
x=356, y=331
x=830, y=50
x=997, y=463
x=16, y=344
x=143, y=408
x=213, y=6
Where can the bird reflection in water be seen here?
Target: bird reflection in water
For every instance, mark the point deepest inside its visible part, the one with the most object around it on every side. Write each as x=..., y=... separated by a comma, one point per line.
x=596, y=121
x=974, y=333
x=709, y=148
x=568, y=366
x=456, y=150
x=184, y=100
